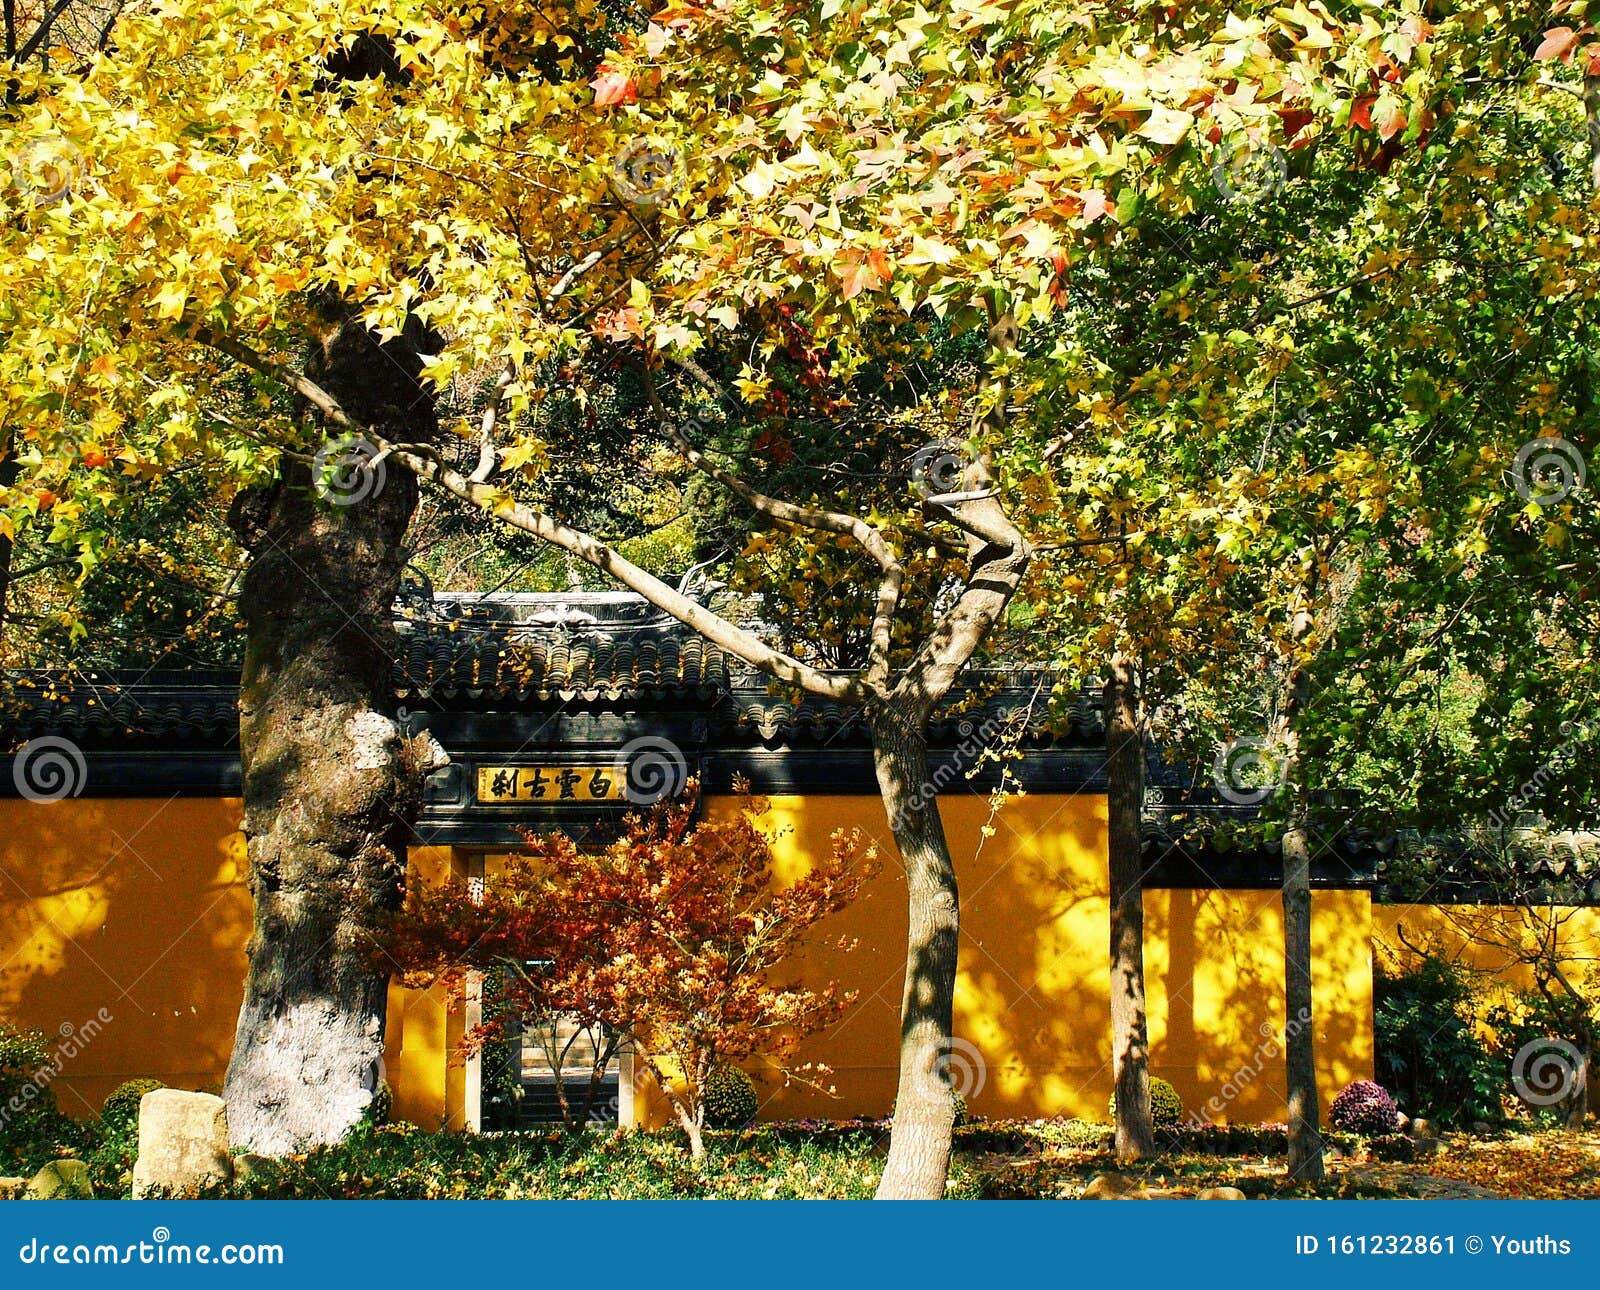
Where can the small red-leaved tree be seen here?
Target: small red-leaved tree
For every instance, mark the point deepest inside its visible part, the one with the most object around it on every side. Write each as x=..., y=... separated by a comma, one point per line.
x=670, y=939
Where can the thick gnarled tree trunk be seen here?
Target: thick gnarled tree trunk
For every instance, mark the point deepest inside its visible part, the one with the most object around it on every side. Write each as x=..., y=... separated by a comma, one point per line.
x=330, y=784
x=1130, y=1042
x=924, y=1108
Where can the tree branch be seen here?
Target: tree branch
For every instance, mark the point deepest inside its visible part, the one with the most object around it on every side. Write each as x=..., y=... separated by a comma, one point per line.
x=496, y=502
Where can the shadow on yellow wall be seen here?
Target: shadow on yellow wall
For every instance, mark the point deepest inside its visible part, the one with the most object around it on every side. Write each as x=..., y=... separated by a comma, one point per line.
x=1032, y=1001
x=139, y=907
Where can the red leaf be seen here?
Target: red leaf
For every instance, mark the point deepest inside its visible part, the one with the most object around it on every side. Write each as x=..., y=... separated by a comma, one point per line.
x=1361, y=112
x=613, y=87
x=1391, y=121
x=1294, y=120
x=1558, y=42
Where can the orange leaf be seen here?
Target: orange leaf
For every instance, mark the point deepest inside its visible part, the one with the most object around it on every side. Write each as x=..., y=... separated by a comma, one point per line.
x=1558, y=42
x=611, y=87
x=1391, y=120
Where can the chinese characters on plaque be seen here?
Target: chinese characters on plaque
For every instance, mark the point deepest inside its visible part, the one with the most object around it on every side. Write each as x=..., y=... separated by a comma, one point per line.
x=551, y=784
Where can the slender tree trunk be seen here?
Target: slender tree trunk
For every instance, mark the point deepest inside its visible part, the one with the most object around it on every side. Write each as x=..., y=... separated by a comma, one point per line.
x=8, y=476
x=1130, y=1043
x=924, y=1108
x=1305, y=1134
x=330, y=784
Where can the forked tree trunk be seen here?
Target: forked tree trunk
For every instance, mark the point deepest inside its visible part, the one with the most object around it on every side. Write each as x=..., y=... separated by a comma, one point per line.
x=330, y=785
x=1130, y=1043
x=1305, y=1134
x=924, y=1108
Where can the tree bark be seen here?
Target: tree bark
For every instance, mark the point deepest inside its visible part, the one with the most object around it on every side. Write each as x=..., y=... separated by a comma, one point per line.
x=1305, y=1134
x=330, y=784
x=924, y=1108
x=8, y=476
x=1130, y=1043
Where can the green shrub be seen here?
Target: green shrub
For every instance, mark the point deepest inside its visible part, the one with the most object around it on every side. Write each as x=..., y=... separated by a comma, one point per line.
x=1428, y=1050
x=730, y=1098
x=31, y=1126
x=119, y=1113
x=382, y=1105
x=1166, y=1107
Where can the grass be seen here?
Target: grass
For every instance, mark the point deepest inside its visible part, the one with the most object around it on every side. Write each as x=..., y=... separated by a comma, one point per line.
x=829, y=1160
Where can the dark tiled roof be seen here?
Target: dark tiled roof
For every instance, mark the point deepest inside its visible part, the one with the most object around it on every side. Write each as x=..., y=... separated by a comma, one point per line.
x=450, y=662
x=487, y=653
x=95, y=708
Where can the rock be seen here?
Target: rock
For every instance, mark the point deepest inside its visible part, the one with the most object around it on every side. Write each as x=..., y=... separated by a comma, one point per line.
x=1429, y=1146
x=1333, y=1151
x=62, y=1180
x=1220, y=1193
x=1423, y=1129
x=12, y=1188
x=1401, y=1120
x=1113, y=1187
x=183, y=1143
x=1481, y=1129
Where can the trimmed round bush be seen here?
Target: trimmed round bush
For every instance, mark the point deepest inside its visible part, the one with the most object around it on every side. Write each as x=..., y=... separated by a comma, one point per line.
x=1166, y=1107
x=120, y=1110
x=1366, y=1108
x=730, y=1098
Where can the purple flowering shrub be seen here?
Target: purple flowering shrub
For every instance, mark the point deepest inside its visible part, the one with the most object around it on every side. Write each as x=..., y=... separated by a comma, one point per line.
x=1365, y=1108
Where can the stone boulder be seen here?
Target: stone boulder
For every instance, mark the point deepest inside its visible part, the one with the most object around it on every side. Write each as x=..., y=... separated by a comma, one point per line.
x=1220, y=1193
x=62, y=1180
x=12, y=1188
x=183, y=1143
x=1113, y=1187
